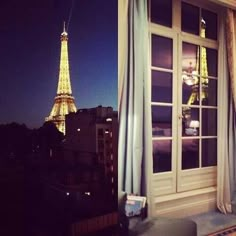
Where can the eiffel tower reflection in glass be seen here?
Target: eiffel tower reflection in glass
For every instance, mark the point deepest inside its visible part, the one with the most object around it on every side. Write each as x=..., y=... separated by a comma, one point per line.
x=191, y=78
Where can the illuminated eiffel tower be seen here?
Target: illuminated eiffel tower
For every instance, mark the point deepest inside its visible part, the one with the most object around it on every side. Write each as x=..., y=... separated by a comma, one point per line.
x=64, y=102
x=204, y=72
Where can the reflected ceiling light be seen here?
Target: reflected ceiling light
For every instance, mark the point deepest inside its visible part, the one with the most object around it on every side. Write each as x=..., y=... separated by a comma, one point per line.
x=203, y=21
x=194, y=124
x=190, y=76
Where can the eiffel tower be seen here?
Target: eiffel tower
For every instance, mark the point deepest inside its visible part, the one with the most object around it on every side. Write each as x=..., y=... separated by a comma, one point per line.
x=204, y=72
x=196, y=95
x=64, y=102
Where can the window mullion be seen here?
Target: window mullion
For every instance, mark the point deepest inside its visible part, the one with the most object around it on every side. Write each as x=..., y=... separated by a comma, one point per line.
x=176, y=9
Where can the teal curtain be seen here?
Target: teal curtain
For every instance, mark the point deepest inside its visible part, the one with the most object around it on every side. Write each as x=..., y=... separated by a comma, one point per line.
x=133, y=76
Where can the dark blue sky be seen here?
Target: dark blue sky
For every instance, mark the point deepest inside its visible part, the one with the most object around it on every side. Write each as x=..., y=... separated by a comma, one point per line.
x=30, y=52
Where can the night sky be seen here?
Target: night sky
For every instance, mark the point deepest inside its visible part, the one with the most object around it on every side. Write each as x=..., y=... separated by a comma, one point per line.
x=30, y=53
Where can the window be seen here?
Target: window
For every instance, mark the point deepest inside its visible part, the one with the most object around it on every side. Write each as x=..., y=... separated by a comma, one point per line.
x=184, y=74
x=190, y=12
x=100, y=133
x=200, y=18
x=101, y=156
x=100, y=145
x=161, y=12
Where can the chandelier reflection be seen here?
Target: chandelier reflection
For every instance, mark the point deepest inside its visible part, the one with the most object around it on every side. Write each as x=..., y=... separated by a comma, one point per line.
x=189, y=77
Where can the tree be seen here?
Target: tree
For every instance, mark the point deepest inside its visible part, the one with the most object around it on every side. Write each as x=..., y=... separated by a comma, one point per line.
x=14, y=141
x=45, y=138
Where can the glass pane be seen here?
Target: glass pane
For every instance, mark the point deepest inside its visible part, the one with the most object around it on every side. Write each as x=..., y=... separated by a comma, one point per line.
x=190, y=121
x=161, y=86
x=190, y=62
x=209, y=122
x=209, y=152
x=161, y=12
x=190, y=90
x=211, y=62
x=209, y=92
x=190, y=153
x=190, y=18
x=209, y=25
x=161, y=121
x=162, y=52
x=161, y=156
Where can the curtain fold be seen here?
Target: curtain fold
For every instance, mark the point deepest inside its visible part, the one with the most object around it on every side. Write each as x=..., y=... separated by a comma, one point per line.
x=133, y=71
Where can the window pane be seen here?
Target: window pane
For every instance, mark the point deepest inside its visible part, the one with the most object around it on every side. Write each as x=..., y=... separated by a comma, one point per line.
x=212, y=65
x=190, y=90
x=161, y=86
x=190, y=61
x=209, y=152
x=161, y=12
x=190, y=18
x=162, y=51
x=190, y=153
x=209, y=92
x=161, y=156
x=161, y=121
x=100, y=133
x=209, y=122
x=209, y=24
x=190, y=121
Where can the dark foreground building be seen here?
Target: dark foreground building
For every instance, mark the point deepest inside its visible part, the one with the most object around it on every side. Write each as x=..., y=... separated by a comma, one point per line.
x=80, y=177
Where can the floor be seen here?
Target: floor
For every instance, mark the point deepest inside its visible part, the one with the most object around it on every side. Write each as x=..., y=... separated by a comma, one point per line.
x=213, y=221
x=206, y=223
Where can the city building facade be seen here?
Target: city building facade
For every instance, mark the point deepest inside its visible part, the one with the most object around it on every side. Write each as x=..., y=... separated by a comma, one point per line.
x=94, y=132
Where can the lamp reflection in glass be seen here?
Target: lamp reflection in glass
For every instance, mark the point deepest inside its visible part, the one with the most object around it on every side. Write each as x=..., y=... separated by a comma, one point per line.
x=194, y=124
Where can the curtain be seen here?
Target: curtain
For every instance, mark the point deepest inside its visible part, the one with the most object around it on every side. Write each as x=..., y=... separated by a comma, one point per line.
x=231, y=49
x=231, y=55
x=223, y=175
x=226, y=170
x=133, y=72
x=232, y=146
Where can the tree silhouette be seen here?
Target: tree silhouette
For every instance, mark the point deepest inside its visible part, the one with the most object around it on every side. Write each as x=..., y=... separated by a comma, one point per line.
x=45, y=138
x=14, y=141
